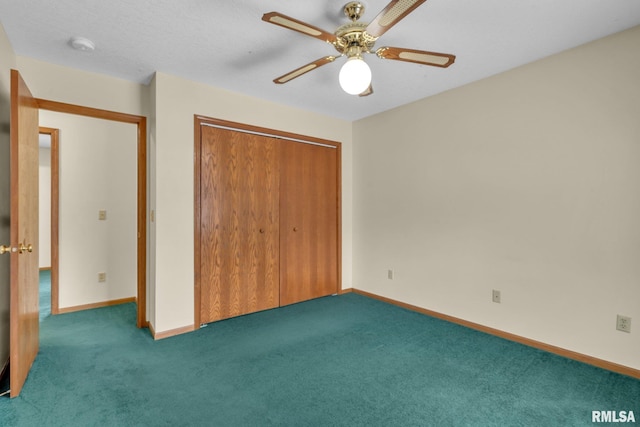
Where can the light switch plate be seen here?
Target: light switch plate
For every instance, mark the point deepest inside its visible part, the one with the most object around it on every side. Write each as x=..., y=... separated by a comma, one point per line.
x=495, y=296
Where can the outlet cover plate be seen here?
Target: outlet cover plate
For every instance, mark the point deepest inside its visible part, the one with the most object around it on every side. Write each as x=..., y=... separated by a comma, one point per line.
x=623, y=323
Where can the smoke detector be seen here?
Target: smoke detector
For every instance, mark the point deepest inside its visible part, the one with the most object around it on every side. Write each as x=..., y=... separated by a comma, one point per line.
x=82, y=43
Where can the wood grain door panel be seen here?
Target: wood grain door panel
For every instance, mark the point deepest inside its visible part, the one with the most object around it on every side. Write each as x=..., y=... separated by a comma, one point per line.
x=267, y=219
x=308, y=221
x=239, y=269
x=24, y=317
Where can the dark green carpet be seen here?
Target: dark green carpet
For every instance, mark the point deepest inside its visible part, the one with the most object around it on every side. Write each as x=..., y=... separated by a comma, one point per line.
x=337, y=361
x=45, y=294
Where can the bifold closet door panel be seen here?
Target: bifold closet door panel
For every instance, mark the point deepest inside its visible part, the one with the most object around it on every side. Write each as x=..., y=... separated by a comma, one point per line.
x=239, y=224
x=308, y=221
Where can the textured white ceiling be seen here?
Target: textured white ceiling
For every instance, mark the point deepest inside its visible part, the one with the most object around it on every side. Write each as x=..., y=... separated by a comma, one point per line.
x=227, y=45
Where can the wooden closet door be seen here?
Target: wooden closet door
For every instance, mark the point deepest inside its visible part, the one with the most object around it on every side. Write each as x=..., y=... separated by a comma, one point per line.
x=239, y=224
x=308, y=221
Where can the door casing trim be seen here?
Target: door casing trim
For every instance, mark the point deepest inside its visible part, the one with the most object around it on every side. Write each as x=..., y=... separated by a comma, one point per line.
x=141, y=123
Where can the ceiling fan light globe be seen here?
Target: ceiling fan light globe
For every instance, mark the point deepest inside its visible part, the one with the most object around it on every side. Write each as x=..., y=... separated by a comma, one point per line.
x=355, y=76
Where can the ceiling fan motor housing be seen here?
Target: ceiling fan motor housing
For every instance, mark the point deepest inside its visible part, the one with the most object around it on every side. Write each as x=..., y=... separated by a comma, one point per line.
x=353, y=35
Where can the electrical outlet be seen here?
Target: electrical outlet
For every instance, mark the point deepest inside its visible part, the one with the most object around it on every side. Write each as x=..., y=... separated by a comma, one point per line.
x=102, y=215
x=102, y=277
x=623, y=323
x=495, y=296
x=390, y=274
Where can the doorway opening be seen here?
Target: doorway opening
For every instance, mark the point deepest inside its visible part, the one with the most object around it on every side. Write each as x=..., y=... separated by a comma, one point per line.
x=48, y=215
x=140, y=200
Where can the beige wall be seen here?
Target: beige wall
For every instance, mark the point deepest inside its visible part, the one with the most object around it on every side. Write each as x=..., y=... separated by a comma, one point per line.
x=176, y=101
x=7, y=62
x=98, y=164
x=527, y=182
x=63, y=84
x=151, y=203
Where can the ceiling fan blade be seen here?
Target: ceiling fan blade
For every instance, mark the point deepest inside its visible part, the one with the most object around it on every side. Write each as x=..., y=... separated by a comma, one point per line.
x=368, y=91
x=417, y=56
x=390, y=16
x=304, y=69
x=299, y=26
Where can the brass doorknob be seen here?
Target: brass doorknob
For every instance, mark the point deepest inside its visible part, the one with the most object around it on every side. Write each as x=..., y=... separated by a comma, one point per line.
x=5, y=249
x=25, y=248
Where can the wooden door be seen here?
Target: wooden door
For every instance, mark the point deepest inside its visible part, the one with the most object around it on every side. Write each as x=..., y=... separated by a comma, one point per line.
x=308, y=221
x=239, y=224
x=24, y=320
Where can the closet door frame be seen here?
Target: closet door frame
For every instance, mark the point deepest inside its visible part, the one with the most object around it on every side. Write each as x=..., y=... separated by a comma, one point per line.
x=200, y=121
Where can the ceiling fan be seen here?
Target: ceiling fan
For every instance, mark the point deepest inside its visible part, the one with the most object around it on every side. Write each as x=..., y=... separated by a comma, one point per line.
x=357, y=38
